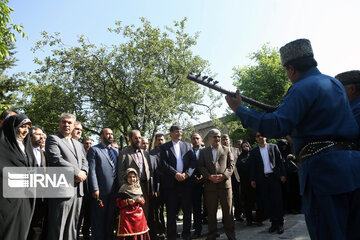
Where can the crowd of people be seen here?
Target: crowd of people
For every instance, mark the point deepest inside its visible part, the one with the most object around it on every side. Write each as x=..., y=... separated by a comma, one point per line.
x=128, y=193
x=175, y=174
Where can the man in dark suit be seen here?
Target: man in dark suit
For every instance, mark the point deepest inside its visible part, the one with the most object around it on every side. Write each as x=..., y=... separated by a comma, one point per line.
x=84, y=223
x=135, y=157
x=63, y=151
x=156, y=219
x=38, y=224
x=178, y=164
x=102, y=160
x=216, y=164
x=198, y=186
x=267, y=172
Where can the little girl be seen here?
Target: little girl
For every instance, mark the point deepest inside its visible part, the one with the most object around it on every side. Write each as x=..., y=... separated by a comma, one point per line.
x=132, y=222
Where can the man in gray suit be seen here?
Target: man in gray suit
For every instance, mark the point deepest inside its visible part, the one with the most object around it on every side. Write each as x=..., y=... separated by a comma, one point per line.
x=63, y=151
x=135, y=157
x=102, y=175
x=216, y=164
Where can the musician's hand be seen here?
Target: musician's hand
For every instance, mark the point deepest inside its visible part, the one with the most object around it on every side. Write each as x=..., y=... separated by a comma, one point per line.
x=234, y=102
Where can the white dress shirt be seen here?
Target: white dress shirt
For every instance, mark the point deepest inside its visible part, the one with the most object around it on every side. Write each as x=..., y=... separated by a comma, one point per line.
x=179, y=161
x=71, y=143
x=214, y=153
x=266, y=160
x=37, y=155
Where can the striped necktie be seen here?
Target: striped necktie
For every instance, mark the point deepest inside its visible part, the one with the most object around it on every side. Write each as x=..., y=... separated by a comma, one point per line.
x=112, y=159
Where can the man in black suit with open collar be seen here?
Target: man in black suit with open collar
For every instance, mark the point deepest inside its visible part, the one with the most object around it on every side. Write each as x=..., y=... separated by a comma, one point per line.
x=178, y=163
x=267, y=172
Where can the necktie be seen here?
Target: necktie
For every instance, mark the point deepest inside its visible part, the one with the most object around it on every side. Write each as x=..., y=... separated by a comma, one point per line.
x=112, y=160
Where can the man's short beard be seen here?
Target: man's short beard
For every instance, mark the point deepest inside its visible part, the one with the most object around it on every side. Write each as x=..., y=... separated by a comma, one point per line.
x=135, y=146
x=108, y=141
x=37, y=143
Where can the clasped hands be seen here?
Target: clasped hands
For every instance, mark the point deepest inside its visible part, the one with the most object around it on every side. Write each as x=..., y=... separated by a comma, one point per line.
x=137, y=200
x=180, y=177
x=216, y=178
x=81, y=177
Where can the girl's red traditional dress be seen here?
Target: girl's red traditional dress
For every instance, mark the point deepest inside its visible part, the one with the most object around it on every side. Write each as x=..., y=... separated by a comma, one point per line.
x=132, y=223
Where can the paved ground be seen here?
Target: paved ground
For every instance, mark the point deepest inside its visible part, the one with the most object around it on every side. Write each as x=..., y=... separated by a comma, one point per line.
x=294, y=225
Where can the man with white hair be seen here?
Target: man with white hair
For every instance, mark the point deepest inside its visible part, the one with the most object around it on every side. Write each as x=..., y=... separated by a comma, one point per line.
x=64, y=151
x=216, y=164
x=76, y=133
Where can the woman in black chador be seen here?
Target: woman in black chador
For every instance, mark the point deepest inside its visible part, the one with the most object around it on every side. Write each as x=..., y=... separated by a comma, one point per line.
x=15, y=151
x=248, y=193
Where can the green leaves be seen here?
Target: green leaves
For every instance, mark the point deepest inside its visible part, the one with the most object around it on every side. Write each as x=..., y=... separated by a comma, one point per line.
x=5, y=29
x=266, y=80
x=139, y=83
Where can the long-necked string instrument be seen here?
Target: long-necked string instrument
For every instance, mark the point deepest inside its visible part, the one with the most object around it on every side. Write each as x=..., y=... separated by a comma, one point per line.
x=211, y=83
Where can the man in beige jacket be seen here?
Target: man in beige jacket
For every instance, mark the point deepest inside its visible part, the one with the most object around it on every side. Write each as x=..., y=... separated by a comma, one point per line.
x=216, y=164
x=135, y=157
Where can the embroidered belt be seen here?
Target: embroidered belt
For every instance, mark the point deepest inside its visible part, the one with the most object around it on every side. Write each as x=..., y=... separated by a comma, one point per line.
x=316, y=147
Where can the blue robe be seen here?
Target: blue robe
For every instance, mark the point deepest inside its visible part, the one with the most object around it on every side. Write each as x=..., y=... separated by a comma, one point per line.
x=316, y=106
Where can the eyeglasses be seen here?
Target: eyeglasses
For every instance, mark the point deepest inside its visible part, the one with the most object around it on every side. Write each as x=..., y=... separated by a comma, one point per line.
x=78, y=129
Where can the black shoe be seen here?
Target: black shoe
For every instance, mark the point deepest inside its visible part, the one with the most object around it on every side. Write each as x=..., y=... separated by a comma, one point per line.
x=239, y=219
x=272, y=229
x=197, y=234
x=161, y=236
x=280, y=229
x=217, y=234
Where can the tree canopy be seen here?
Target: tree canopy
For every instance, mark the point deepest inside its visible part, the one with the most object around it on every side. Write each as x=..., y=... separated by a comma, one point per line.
x=265, y=80
x=139, y=83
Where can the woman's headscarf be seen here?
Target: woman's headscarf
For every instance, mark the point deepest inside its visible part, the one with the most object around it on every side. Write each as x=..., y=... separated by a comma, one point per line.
x=247, y=144
x=244, y=154
x=132, y=190
x=10, y=152
x=19, y=217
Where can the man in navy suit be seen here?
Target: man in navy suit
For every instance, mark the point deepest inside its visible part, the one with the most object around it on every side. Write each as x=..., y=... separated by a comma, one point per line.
x=102, y=185
x=178, y=163
x=267, y=171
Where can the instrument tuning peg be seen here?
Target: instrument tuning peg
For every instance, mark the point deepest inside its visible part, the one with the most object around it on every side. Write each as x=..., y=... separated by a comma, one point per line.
x=204, y=77
x=209, y=80
x=198, y=75
x=216, y=82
